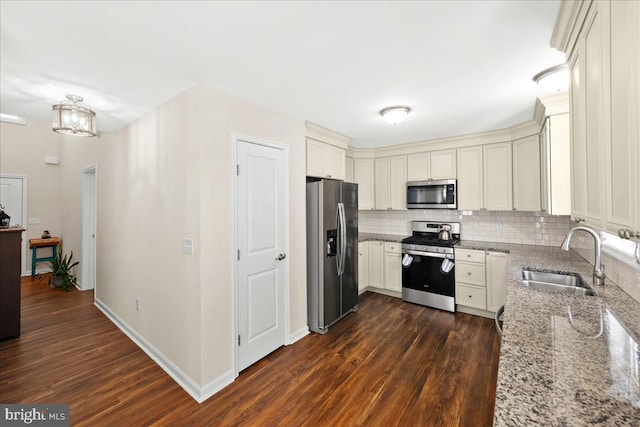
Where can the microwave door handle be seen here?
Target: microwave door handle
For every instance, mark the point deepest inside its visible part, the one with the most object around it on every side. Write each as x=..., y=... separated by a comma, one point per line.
x=444, y=194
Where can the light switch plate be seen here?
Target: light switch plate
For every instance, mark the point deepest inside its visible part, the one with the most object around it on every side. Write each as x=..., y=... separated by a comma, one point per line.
x=187, y=246
x=34, y=220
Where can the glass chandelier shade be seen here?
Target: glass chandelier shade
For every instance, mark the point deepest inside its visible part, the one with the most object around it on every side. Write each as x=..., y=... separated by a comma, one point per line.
x=72, y=117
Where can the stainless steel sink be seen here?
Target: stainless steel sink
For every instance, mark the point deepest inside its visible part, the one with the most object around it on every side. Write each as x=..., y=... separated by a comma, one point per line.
x=568, y=283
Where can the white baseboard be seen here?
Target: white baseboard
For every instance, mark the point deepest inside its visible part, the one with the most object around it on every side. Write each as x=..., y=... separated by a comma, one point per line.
x=298, y=335
x=198, y=393
x=38, y=271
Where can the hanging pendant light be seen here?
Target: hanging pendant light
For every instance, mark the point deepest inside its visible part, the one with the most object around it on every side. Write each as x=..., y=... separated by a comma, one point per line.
x=395, y=115
x=72, y=117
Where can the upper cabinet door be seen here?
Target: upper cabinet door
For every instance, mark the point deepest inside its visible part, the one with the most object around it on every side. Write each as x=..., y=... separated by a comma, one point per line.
x=497, y=173
x=398, y=182
x=363, y=170
x=596, y=109
x=335, y=162
x=418, y=167
x=470, y=178
x=349, y=170
x=443, y=164
x=325, y=160
x=526, y=174
x=383, y=170
x=623, y=155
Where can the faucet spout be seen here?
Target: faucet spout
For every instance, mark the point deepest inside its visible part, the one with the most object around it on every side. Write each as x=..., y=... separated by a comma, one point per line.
x=598, y=267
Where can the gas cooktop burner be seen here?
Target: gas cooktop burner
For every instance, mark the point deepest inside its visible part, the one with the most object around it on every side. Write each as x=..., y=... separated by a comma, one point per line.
x=427, y=234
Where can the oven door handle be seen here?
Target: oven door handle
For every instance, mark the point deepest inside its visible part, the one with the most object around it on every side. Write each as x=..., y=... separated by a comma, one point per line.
x=430, y=254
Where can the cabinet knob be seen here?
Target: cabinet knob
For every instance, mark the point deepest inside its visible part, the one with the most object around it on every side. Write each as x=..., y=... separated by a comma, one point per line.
x=468, y=273
x=470, y=296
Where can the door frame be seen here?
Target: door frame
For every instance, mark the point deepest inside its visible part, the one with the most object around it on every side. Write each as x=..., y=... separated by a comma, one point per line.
x=23, y=222
x=236, y=139
x=89, y=170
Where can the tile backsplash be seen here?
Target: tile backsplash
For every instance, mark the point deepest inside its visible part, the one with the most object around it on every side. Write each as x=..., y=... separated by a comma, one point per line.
x=529, y=228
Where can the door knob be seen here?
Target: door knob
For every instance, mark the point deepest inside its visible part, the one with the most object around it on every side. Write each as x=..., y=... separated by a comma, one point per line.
x=281, y=257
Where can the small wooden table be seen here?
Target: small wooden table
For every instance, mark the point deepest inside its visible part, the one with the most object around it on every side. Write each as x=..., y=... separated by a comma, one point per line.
x=35, y=244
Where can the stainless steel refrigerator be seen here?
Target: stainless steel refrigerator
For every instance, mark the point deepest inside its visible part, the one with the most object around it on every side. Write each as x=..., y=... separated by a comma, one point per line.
x=332, y=252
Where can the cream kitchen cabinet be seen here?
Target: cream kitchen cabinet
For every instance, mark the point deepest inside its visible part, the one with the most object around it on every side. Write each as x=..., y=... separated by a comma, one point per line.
x=485, y=177
x=349, y=169
x=364, y=173
x=481, y=281
x=555, y=161
x=589, y=67
x=497, y=174
x=602, y=43
x=496, y=264
x=440, y=164
x=363, y=266
x=376, y=264
x=325, y=160
x=470, y=178
x=470, y=279
x=392, y=267
x=622, y=155
x=526, y=174
x=390, y=183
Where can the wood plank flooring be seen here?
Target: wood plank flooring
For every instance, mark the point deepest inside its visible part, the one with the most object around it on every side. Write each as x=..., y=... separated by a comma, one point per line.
x=391, y=363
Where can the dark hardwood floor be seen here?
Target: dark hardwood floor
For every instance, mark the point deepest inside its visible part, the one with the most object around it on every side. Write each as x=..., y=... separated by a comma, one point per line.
x=391, y=363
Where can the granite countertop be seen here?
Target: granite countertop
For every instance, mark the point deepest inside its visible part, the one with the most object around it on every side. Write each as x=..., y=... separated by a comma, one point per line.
x=363, y=237
x=567, y=360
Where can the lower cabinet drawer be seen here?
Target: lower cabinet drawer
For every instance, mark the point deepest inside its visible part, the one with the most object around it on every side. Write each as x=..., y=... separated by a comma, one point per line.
x=470, y=273
x=471, y=296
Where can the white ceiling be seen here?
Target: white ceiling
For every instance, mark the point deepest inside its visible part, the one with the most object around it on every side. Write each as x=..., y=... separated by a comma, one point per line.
x=462, y=66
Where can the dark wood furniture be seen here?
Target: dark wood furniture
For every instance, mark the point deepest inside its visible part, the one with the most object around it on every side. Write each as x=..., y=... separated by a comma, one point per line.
x=10, y=248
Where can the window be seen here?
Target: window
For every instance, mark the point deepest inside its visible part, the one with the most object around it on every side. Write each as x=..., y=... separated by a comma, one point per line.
x=618, y=245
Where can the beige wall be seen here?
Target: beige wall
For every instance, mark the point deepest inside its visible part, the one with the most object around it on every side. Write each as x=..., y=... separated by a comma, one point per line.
x=166, y=177
x=22, y=152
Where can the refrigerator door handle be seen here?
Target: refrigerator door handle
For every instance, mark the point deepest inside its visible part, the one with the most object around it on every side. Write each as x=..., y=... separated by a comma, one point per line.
x=343, y=238
x=338, y=243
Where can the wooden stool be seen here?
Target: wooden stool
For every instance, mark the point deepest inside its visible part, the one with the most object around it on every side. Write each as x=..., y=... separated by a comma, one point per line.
x=34, y=244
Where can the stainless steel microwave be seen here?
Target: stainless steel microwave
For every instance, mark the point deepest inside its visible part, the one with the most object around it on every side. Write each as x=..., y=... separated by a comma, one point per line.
x=439, y=194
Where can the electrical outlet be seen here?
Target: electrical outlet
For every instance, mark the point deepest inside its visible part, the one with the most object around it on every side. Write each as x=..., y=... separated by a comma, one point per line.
x=137, y=304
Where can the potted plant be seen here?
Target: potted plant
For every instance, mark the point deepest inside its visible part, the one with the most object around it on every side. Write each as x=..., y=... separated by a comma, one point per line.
x=61, y=275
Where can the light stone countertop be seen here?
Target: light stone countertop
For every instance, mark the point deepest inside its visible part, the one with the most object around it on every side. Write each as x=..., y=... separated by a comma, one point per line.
x=395, y=238
x=566, y=360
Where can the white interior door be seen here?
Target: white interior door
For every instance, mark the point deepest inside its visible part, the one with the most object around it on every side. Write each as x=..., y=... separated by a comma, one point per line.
x=13, y=198
x=88, y=265
x=262, y=263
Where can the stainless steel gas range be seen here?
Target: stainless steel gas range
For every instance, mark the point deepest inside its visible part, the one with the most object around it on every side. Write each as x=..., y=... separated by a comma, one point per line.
x=428, y=265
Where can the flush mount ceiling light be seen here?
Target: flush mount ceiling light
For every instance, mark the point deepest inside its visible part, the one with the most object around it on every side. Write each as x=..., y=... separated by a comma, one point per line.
x=395, y=115
x=72, y=117
x=555, y=78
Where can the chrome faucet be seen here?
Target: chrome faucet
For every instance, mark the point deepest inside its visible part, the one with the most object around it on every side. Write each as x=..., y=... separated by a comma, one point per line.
x=598, y=267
